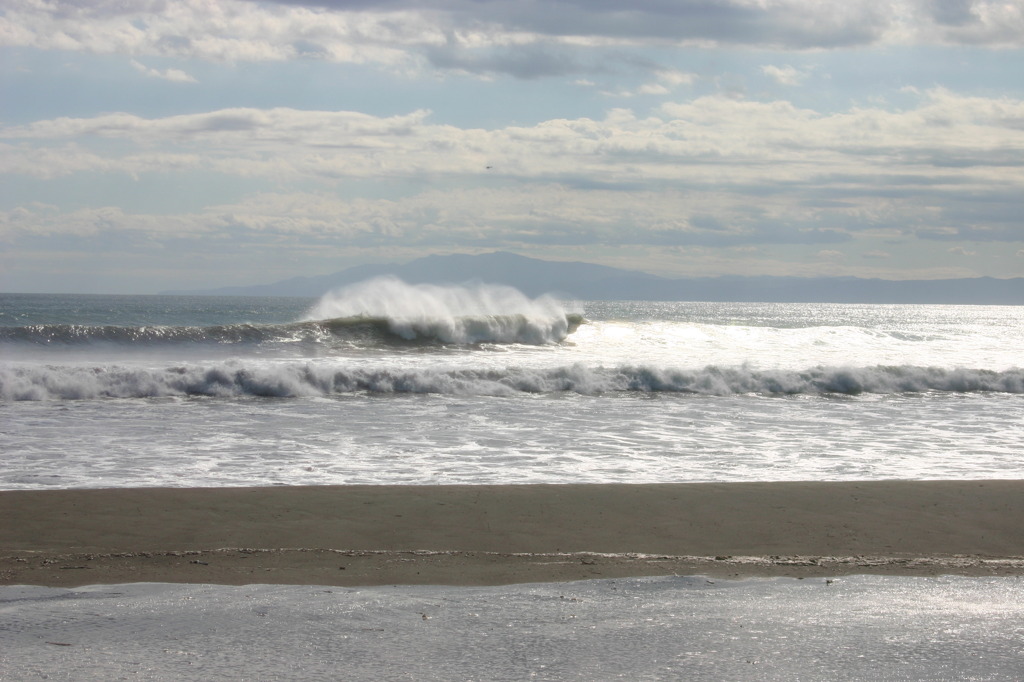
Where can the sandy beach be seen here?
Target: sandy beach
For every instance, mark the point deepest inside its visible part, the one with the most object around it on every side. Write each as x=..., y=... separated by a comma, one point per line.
x=491, y=535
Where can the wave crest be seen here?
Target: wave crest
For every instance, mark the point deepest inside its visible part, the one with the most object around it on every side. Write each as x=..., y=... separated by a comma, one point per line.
x=467, y=314
x=379, y=312
x=289, y=380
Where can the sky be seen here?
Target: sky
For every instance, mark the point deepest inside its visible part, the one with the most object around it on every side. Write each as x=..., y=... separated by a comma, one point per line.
x=156, y=144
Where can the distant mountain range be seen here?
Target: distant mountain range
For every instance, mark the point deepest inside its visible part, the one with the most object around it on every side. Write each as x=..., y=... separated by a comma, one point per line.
x=588, y=281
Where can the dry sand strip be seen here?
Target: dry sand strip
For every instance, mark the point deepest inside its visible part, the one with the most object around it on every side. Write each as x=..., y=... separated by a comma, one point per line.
x=372, y=535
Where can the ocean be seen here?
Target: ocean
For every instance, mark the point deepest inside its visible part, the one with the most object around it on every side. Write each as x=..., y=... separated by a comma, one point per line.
x=389, y=383
x=385, y=382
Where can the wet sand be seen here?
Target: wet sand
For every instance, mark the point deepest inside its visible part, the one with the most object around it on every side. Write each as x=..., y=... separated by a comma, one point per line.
x=490, y=535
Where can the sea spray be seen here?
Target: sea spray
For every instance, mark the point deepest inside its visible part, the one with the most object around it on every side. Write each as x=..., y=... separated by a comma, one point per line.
x=474, y=313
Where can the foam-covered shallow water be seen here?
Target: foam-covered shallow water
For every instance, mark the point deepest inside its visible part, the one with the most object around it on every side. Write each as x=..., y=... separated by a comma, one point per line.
x=494, y=440
x=386, y=383
x=852, y=628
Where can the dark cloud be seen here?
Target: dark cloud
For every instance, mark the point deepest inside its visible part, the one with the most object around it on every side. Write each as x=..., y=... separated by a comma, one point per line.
x=951, y=12
x=794, y=25
x=964, y=158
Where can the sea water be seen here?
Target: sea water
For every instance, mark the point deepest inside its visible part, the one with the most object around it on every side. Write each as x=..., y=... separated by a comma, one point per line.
x=387, y=383
x=671, y=628
x=384, y=383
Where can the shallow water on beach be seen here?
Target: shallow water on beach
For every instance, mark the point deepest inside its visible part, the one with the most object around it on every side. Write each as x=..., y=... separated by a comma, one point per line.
x=852, y=628
x=179, y=391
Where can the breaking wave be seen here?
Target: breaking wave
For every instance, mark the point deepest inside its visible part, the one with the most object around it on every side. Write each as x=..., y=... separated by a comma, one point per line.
x=289, y=380
x=379, y=312
x=478, y=313
x=353, y=331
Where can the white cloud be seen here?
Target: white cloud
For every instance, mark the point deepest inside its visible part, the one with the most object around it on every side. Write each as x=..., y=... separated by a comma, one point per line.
x=527, y=38
x=674, y=77
x=710, y=171
x=43, y=220
x=173, y=75
x=228, y=30
x=652, y=89
x=784, y=75
x=948, y=143
x=667, y=80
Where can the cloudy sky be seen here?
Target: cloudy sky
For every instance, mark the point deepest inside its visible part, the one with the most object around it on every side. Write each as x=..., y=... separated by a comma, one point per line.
x=157, y=144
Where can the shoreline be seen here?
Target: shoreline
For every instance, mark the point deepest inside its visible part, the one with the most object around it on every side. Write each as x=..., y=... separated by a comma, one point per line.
x=491, y=535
